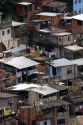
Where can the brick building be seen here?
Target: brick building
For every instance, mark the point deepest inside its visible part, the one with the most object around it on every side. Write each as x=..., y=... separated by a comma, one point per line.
x=54, y=17
x=47, y=113
x=25, y=10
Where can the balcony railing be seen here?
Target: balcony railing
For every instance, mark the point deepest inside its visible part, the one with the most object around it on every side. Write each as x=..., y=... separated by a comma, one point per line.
x=5, y=25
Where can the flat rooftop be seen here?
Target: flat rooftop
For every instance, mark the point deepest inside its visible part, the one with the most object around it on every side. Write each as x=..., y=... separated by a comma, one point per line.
x=59, y=87
x=44, y=30
x=79, y=62
x=54, y=103
x=52, y=30
x=20, y=62
x=38, y=21
x=56, y=4
x=67, y=18
x=6, y=95
x=78, y=17
x=48, y=14
x=14, y=23
x=74, y=48
x=24, y=3
x=61, y=34
x=43, y=90
x=23, y=86
x=18, y=49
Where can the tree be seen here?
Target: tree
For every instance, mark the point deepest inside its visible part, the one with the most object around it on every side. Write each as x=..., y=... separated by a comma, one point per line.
x=6, y=7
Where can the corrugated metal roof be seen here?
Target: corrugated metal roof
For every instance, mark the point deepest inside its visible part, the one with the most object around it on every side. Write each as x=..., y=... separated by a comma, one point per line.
x=19, y=62
x=61, y=62
x=24, y=86
x=79, y=62
x=18, y=49
x=45, y=90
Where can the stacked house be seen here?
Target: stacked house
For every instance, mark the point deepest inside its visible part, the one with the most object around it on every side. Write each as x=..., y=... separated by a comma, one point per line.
x=41, y=63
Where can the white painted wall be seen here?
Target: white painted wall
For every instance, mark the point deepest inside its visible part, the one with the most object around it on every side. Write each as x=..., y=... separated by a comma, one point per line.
x=6, y=36
x=7, y=40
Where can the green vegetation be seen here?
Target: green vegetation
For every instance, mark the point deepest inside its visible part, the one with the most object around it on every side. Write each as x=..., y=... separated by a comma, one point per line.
x=7, y=8
x=6, y=19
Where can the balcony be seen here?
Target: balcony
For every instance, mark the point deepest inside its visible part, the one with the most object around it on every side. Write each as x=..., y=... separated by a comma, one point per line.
x=4, y=25
x=62, y=115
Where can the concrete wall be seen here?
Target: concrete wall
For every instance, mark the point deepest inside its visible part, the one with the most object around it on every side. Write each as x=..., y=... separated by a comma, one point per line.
x=33, y=97
x=62, y=40
x=62, y=71
x=4, y=103
x=66, y=40
x=48, y=121
x=6, y=39
x=78, y=6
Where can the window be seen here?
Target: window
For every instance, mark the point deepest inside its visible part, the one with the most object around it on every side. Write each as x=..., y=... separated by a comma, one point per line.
x=81, y=88
x=79, y=10
x=79, y=1
x=19, y=80
x=60, y=39
x=3, y=33
x=75, y=12
x=79, y=22
x=69, y=38
x=20, y=7
x=61, y=109
x=54, y=71
x=26, y=8
x=69, y=71
x=45, y=123
x=75, y=1
x=33, y=122
x=54, y=94
x=40, y=96
x=61, y=121
x=10, y=103
x=8, y=31
x=31, y=68
x=30, y=7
